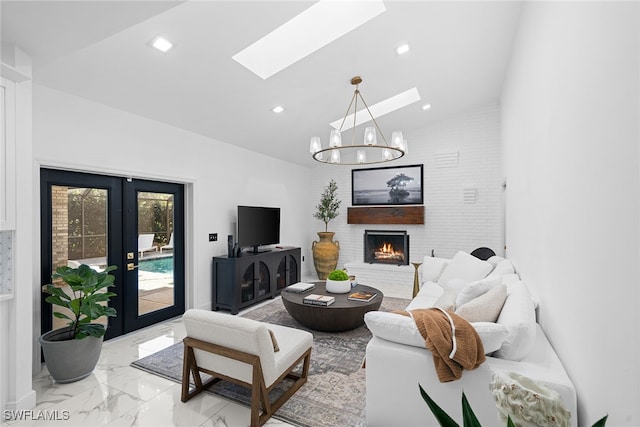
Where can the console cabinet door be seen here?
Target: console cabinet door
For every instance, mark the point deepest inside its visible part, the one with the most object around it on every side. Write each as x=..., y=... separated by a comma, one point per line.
x=240, y=282
x=288, y=271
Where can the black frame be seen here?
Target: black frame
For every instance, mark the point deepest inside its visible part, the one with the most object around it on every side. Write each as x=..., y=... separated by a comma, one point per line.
x=122, y=237
x=382, y=175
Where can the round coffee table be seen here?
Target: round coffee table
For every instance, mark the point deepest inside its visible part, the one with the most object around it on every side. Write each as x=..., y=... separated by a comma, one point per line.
x=342, y=315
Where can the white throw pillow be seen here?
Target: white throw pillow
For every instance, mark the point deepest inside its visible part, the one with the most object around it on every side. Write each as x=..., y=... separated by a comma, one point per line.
x=495, y=260
x=455, y=286
x=465, y=267
x=502, y=268
x=446, y=301
x=475, y=289
x=486, y=307
x=491, y=334
x=509, y=279
x=432, y=268
x=394, y=327
x=518, y=315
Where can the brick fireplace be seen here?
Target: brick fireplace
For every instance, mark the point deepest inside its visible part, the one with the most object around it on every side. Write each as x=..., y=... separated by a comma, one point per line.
x=386, y=247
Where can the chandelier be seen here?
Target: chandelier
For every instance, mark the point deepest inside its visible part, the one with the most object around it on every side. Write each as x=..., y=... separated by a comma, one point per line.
x=356, y=154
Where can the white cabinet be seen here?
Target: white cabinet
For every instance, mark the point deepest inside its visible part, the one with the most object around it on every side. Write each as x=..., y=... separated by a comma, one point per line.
x=7, y=155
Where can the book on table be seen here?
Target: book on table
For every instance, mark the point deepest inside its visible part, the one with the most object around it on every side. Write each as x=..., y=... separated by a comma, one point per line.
x=323, y=300
x=300, y=287
x=362, y=296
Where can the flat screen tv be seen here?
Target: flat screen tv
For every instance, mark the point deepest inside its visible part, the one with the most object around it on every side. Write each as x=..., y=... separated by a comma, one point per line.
x=258, y=226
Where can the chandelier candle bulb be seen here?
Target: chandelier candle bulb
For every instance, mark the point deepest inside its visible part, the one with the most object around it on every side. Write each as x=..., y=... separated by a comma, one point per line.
x=397, y=140
x=370, y=136
x=335, y=156
x=335, y=139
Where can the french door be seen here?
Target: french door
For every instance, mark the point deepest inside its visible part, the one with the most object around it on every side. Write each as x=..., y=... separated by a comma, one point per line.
x=136, y=225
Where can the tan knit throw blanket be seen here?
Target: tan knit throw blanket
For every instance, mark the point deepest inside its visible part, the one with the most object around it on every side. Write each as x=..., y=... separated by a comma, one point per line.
x=435, y=327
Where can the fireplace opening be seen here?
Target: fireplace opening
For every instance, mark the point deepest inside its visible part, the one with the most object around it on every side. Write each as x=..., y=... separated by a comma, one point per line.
x=386, y=247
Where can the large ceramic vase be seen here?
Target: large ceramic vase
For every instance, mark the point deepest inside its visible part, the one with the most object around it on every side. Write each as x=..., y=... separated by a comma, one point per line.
x=325, y=254
x=69, y=360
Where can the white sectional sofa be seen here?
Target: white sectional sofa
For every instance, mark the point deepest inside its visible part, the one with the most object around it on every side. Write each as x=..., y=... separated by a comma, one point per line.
x=397, y=360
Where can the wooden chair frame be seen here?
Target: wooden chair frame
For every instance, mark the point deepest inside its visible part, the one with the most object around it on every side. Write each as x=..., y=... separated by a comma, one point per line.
x=259, y=390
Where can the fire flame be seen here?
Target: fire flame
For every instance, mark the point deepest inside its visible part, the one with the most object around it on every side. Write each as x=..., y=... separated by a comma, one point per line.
x=386, y=251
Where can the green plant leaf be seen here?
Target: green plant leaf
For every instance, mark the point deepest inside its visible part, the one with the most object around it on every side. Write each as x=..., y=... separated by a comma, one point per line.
x=74, y=305
x=601, y=422
x=93, y=330
x=58, y=292
x=110, y=312
x=56, y=300
x=510, y=422
x=468, y=417
x=61, y=315
x=441, y=416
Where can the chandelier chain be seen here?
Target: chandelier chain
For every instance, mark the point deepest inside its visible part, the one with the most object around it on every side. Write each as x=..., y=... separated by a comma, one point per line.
x=372, y=119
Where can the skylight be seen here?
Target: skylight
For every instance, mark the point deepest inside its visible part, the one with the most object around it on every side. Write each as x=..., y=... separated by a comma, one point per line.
x=380, y=109
x=309, y=31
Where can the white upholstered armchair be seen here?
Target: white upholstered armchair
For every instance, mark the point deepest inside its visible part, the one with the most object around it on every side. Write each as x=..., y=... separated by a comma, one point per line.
x=246, y=352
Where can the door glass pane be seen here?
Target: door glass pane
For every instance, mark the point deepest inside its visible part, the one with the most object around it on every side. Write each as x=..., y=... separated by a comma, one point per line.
x=293, y=270
x=265, y=280
x=246, y=284
x=78, y=233
x=155, y=252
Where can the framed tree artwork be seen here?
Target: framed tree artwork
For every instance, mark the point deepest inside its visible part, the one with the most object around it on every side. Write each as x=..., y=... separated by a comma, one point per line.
x=393, y=185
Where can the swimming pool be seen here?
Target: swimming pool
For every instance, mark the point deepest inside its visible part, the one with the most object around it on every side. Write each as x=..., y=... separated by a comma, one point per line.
x=157, y=265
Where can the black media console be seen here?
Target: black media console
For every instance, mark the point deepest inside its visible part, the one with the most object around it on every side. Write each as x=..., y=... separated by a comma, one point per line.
x=245, y=280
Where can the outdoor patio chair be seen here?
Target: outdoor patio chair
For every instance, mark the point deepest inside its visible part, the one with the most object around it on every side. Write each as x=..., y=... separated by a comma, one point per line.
x=168, y=245
x=145, y=243
x=246, y=352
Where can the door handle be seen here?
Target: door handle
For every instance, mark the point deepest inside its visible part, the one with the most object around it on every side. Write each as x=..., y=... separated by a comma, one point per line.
x=131, y=266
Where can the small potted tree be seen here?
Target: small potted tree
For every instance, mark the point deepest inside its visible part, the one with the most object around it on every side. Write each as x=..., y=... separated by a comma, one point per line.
x=326, y=251
x=71, y=353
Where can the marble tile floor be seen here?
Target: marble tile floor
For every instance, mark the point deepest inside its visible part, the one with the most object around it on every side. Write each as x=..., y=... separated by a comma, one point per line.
x=116, y=394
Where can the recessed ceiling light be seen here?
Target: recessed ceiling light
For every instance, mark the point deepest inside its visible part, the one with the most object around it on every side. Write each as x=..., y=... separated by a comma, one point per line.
x=278, y=109
x=162, y=44
x=380, y=109
x=403, y=48
x=316, y=27
x=426, y=106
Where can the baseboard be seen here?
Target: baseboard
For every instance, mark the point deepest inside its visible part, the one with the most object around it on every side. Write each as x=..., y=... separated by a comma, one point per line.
x=28, y=401
x=206, y=306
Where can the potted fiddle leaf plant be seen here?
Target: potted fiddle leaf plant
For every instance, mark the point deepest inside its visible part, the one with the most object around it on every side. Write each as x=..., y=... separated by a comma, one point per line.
x=326, y=251
x=72, y=352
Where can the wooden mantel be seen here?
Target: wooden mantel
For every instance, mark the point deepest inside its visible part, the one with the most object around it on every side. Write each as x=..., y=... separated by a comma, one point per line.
x=386, y=215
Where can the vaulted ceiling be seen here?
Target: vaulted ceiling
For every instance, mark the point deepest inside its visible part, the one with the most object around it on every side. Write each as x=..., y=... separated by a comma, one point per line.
x=99, y=50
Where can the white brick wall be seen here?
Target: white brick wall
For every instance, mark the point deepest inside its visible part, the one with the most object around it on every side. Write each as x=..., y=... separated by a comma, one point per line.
x=450, y=223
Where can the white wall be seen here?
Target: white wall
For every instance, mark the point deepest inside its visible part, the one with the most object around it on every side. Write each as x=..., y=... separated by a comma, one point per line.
x=450, y=224
x=16, y=314
x=74, y=133
x=570, y=137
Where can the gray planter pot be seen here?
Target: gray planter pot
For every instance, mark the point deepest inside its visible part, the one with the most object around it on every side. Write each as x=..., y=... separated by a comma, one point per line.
x=69, y=360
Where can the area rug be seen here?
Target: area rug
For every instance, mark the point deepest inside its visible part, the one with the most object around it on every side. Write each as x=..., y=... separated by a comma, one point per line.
x=334, y=394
